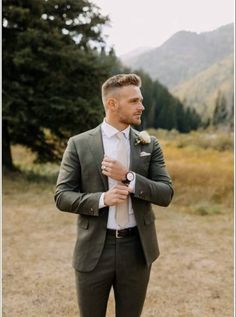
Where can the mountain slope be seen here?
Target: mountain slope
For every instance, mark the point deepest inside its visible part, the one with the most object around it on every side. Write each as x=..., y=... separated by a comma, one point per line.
x=184, y=55
x=201, y=91
x=134, y=53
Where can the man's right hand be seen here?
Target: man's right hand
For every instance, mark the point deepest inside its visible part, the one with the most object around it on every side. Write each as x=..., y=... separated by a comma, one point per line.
x=116, y=195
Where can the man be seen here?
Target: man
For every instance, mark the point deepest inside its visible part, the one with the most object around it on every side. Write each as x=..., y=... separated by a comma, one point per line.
x=110, y=176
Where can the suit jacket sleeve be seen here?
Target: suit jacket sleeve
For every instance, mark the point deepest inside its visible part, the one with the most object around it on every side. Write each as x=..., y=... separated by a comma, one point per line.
x=68, y=195
x=156, y=188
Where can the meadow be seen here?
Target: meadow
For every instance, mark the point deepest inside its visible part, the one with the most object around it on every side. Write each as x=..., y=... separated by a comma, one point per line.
x=193, y=276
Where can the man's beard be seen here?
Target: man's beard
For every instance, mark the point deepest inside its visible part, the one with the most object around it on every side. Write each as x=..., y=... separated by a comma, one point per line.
x=131, y=121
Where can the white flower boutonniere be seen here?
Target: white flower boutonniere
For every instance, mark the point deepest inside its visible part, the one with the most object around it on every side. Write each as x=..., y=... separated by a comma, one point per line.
x=143, y=138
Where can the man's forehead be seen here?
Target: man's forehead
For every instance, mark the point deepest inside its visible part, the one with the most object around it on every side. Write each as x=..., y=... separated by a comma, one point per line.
x=126, y=92
x=131, y=91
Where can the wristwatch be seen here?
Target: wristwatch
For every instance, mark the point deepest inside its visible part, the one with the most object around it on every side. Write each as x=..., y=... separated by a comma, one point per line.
x=129, y=177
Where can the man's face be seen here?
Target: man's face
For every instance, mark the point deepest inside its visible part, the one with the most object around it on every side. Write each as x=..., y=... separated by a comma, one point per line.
x=129, y=105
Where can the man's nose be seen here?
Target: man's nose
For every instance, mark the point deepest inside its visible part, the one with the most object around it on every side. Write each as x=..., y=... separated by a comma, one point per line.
x=141, y=106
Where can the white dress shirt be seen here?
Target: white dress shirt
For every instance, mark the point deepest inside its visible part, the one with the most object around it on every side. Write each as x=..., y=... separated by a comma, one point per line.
x=110, y=142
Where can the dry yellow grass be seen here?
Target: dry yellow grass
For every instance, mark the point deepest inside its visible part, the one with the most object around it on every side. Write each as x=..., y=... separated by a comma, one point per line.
x=192, y=278
x=202, y=176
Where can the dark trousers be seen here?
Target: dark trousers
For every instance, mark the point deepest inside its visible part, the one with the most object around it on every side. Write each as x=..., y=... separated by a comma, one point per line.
x=121, y=266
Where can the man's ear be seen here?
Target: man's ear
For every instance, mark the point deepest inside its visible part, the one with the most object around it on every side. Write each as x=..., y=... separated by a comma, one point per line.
x=111, y=103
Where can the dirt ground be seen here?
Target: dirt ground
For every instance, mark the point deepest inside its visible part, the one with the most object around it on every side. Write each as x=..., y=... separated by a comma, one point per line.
x=192, y=278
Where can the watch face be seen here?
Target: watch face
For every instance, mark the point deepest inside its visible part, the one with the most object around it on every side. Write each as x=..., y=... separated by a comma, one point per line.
x=130, y=176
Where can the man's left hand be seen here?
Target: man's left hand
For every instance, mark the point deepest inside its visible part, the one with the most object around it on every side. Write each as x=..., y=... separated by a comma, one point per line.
x=113, y=168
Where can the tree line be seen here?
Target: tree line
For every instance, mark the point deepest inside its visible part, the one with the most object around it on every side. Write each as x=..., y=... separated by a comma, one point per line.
x=223, y=115
x=54, y=61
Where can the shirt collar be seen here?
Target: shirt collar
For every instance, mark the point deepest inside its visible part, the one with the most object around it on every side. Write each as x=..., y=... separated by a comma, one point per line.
x=110, y=131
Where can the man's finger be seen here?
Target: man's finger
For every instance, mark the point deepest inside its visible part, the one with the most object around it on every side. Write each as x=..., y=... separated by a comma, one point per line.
x=105, y=172
x=122, y=192
x=127, y=188
x=108, y=160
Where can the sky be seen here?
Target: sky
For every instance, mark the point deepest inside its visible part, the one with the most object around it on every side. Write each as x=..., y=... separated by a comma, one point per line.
x=149, y=23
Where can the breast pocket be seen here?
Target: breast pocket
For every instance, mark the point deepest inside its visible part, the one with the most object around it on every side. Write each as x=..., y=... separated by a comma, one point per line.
x=145, y=159
x=143, y=165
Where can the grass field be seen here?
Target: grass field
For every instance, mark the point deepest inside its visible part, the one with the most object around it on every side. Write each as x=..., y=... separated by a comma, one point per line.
x=193, y=276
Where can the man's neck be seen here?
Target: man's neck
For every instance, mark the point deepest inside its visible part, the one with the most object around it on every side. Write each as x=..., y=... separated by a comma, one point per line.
x=117, y=125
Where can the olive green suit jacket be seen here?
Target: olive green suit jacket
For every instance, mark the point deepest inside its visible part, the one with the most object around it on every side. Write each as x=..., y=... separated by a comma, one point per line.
x=81, y=182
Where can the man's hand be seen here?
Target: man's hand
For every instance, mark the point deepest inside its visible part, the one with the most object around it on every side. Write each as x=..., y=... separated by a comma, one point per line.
x=116, y=195
x=113, y=169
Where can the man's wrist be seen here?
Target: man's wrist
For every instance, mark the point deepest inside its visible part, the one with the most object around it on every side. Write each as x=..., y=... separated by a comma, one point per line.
x=124, y=176
x=129, y=177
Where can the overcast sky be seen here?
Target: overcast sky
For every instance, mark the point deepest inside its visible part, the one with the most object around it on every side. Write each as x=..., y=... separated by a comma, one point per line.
x=141, y=23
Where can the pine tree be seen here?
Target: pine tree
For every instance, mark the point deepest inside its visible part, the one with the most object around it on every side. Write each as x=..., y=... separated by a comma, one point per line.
x=162, y=110
x=220, y=115
x=53, y=64
x=231, y=114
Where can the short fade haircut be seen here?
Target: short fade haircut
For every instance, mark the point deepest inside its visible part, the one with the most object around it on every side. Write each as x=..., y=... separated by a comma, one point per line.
x=119, y=81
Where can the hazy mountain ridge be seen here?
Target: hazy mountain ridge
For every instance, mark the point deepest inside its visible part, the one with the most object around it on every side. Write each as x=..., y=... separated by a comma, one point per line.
x=136, y=52
x=184, y=55
x=194, y=67
x=201, y=91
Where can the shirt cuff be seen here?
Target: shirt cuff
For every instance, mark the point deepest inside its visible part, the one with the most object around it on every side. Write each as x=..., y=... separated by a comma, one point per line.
x=101, y=201
x=132, y=184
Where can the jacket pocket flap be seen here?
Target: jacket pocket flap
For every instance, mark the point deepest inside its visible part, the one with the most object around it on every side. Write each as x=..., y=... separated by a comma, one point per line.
x=83, y=222
x=149, y=218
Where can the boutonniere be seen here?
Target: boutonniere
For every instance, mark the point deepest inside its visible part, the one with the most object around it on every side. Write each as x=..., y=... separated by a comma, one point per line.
x=143, y=138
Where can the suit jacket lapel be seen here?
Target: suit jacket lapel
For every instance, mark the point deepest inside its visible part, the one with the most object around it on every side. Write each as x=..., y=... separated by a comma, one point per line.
x=96, y=147
x=135, y=151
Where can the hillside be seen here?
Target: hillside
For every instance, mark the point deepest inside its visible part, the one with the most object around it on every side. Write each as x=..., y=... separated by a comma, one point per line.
x=201, y=91
x=184, y=55
x=194, y=67
x=134, y=53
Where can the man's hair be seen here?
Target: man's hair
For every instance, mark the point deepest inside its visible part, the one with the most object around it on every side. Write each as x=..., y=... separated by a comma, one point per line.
x=119, y=81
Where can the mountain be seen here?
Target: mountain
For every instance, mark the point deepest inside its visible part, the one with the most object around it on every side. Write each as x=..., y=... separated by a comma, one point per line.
x=184, y=55
x=195, y=67
x=202, y=90
x=134, y=53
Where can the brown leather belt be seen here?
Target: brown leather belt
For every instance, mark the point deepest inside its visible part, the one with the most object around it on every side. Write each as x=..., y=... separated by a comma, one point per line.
x=123, y=232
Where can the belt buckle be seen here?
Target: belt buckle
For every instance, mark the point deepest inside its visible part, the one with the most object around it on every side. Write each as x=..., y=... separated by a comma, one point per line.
x=117, y=235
